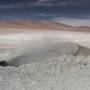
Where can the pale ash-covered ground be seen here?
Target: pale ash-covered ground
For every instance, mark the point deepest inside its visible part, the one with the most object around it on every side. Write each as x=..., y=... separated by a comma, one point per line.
x=65, y=72
x=58, y=73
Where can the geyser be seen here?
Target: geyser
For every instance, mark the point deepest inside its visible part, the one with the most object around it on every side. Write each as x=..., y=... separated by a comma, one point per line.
x=38, y=50
x=37, y=46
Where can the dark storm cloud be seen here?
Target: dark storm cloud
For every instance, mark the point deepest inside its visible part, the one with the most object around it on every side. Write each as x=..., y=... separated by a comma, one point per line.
x=22, y=3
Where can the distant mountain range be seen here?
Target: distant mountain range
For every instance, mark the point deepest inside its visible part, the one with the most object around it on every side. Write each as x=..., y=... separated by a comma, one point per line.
x=41, y=25
x=33, y=24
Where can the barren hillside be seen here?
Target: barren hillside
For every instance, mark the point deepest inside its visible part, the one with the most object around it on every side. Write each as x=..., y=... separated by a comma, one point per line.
x=41, y=25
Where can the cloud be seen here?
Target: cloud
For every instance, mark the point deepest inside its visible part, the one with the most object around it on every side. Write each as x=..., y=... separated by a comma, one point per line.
x=28, y=3
x=74, y=21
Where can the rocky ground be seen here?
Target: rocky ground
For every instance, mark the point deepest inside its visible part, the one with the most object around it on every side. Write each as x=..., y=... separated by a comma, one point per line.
x=57, y=73
x=63, y=67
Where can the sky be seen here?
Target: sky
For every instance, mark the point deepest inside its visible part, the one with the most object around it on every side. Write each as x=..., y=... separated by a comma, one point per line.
x=44, y=9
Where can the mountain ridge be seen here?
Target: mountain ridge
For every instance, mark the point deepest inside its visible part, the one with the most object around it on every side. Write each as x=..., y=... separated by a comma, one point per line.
x=42, y=25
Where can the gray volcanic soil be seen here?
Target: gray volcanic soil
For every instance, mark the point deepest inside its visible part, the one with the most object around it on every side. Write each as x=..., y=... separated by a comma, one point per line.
x=58, y=73
x=45, y=67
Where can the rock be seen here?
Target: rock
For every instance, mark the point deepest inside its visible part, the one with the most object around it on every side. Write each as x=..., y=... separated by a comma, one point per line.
x=4, y=63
